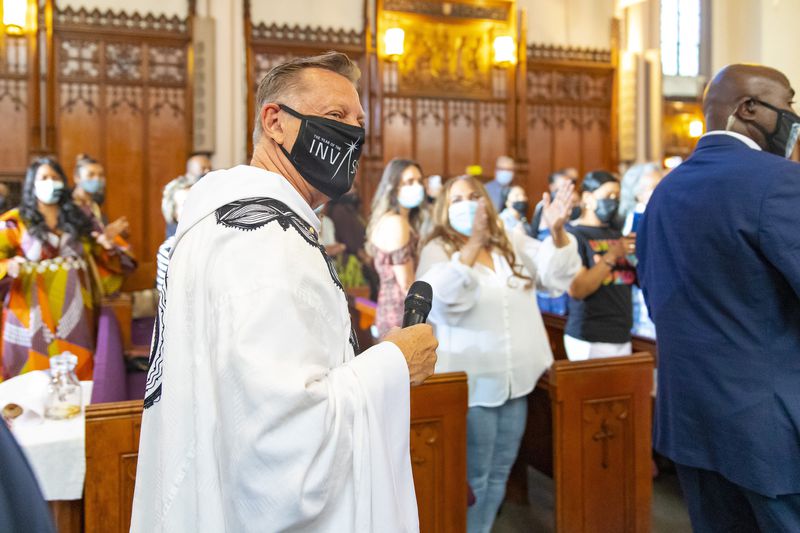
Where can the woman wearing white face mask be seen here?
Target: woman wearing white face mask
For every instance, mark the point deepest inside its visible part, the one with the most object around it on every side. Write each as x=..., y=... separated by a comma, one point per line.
x=488, y=323
x=56, y=263
x=393, y=235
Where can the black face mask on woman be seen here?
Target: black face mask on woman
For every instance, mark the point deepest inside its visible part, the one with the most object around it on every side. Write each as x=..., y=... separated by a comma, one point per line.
x=326, y=153
x=606, y=209
x=521, y=207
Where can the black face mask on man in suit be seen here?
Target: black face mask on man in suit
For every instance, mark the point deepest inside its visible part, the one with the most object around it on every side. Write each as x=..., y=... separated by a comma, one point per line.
x=782, y=140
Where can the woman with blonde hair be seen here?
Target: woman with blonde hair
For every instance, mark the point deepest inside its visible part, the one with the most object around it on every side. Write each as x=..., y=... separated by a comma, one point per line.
x=488, y=323
x=393, y=235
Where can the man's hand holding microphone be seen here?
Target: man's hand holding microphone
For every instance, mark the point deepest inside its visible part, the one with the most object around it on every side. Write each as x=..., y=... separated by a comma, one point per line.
x=416, y=339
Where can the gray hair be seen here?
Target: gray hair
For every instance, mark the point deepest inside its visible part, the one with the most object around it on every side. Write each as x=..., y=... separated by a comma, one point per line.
x=283, y=78
x=632, y=185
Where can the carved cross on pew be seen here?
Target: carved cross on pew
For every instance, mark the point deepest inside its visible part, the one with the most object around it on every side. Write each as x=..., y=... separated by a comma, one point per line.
x=604, y=435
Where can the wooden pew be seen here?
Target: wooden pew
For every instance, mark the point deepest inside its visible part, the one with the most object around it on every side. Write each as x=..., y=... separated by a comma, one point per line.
x=438, y=455
x=602, y=444
x=557, y=425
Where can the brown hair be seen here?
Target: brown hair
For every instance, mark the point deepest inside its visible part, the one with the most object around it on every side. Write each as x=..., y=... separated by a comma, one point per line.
x=385, y=198
x=283, y=78
x=452, y=240
x=82, y=160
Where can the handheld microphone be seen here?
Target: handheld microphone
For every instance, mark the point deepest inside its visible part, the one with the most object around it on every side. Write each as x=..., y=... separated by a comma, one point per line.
x=418, y=304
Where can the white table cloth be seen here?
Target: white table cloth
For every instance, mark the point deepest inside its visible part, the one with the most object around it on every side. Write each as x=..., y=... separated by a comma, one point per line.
x=55, y=448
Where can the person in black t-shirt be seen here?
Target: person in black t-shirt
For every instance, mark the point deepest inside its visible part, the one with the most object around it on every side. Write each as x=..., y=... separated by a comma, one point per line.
x=600, y=304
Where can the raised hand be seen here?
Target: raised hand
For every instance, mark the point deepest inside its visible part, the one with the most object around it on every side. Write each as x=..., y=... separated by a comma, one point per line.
x=556, y=211
x=480, y=226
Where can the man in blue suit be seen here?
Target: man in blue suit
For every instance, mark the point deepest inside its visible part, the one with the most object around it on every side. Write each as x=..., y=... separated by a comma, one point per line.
x=719, y=263
x=503, y=176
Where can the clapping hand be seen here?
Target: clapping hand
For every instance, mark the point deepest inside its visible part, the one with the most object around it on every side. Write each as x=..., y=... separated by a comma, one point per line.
x=116, y=228
x=481, y=235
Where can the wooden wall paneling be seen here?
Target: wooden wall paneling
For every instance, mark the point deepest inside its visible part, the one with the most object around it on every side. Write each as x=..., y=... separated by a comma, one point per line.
x=602, y=445
x=519, y=106
x=430, y=137
x=124, y=86
x=540, y=127
x=14, y=107
x=567, y=136
x=79, y=117
x=398, y=130
x=595, y=140
x=462, y=133
x=570, y=99
x=493, y=134
x=123, y=153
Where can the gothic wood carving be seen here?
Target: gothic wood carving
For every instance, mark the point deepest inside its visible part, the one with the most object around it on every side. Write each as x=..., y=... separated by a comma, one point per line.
x=123, y=93
x=569, y=120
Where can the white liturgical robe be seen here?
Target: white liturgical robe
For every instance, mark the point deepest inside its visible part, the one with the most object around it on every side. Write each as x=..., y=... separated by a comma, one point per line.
x=258, y=417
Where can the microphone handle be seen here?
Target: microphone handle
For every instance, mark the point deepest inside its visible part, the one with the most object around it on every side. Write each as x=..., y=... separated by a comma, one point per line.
x=412, y=318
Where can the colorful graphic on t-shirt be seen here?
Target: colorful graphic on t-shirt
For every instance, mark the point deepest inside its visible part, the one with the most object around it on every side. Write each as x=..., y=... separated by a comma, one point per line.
x=624, y=272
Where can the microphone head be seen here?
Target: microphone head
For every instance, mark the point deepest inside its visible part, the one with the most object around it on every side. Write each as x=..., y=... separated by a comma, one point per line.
x=420, y=297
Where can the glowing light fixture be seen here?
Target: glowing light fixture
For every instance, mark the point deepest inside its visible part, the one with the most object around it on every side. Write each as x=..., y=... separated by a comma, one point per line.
x=14, y=16
x=672, y=162
x=393, y=41
x=505, y=52
x=695, y=128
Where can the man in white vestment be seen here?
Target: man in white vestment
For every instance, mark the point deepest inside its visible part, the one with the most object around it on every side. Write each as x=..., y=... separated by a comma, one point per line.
x=258, y=416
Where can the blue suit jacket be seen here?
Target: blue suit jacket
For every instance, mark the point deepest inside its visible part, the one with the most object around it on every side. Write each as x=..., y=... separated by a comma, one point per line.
x=496, y=193
x=719, y=263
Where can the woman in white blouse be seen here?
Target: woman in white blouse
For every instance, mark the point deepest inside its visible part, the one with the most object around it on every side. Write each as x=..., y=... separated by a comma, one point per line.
x=488, y=323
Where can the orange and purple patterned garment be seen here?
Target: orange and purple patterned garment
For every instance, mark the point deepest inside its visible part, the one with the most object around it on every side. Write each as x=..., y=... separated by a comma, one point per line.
x=48, y=308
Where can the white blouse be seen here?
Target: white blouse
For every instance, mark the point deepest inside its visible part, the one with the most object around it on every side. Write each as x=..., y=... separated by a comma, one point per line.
x=487, y=323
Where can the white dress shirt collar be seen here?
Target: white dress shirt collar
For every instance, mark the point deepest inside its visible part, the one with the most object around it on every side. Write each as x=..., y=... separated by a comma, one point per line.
x=746, y=140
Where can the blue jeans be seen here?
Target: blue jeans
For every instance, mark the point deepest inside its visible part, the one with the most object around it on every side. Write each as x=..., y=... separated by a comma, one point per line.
x=493, y=438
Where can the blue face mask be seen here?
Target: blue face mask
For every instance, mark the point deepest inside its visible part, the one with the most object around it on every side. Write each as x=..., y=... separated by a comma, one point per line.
x=504, y=177
x=462, y=216
x=92, y=186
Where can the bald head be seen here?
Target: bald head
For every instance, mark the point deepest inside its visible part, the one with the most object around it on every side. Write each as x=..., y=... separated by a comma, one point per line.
x=198, y=166
x=739, y=91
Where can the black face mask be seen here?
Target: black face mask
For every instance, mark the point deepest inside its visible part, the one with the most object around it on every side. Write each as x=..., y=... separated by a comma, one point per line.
x=606, y=209
x=787, y=130
x=521, y=208
x=576, y=213
x=326, y=153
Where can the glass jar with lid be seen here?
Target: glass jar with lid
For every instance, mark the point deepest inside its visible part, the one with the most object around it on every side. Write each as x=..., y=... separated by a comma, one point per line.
x=64, y=397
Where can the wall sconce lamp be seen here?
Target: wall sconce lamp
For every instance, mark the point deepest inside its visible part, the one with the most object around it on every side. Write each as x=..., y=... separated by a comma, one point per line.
x=696, y=128
x=393, y=41
x=505, y=51
x=15, y=16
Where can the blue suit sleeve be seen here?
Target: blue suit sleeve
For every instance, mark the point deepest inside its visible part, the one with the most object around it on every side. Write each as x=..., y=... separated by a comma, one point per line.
x=779, y=237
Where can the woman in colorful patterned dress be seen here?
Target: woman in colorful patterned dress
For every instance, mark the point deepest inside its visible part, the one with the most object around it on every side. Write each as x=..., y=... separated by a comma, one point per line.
x=49, y=259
